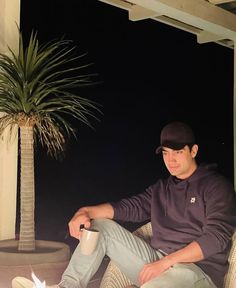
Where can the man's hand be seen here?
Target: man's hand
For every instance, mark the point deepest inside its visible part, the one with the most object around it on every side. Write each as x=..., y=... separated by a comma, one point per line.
x=84, y=216
x=189, y=254
x=152, y=270
x=79, y=220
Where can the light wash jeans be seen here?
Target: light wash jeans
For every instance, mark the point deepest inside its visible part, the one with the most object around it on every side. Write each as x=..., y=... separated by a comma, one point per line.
x=130, y=254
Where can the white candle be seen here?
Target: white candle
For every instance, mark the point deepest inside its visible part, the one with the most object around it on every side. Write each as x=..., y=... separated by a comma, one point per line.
x=37, y=282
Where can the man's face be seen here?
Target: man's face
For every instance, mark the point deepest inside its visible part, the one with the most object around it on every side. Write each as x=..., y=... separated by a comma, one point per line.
x=180, y=163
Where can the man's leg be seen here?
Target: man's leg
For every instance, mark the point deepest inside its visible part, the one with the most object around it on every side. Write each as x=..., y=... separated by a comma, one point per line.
x=127, y=251
x=130, y=254
x=181, y=276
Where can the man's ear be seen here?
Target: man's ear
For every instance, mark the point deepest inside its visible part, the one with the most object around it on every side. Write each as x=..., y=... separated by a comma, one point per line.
x=194, y=150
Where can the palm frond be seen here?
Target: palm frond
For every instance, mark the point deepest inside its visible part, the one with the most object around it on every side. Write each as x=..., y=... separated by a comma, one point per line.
x=37, y=84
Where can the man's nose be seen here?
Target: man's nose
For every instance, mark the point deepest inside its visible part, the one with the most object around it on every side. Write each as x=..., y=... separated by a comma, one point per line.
x=171, y=158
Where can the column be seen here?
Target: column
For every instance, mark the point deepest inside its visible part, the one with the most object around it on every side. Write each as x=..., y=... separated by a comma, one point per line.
x=10, y=18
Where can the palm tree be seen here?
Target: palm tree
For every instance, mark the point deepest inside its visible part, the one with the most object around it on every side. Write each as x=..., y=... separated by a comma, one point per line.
x=36, y=95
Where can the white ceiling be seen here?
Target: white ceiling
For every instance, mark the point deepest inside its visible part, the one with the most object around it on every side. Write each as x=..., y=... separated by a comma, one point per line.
x=209, y=20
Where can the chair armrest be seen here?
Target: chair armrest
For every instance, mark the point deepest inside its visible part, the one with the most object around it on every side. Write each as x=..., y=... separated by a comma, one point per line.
x=230, y=278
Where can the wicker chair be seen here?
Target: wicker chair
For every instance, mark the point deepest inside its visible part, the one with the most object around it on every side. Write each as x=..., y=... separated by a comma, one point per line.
x=114, y=278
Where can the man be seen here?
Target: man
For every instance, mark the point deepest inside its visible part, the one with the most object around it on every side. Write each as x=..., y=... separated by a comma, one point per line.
x=193, y=217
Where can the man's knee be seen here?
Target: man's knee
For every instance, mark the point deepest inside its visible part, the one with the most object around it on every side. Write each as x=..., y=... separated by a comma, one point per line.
x=104, y=224
x=108, y=227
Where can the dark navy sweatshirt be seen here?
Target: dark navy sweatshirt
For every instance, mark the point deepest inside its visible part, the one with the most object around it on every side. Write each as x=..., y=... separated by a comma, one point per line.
x=201, y=208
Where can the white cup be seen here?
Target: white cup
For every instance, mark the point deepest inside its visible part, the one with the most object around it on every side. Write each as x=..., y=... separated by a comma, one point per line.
x=88, y=241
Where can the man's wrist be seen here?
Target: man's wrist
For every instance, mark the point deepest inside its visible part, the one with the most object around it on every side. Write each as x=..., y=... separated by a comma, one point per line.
x=168, y=260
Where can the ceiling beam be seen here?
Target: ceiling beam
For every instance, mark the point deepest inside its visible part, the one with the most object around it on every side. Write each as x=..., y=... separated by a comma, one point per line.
x=119, y=3
x=206, y=37
x=219, y=1
x=177, y=24
x=139, y=13
x=195, y=16
x=198, y=13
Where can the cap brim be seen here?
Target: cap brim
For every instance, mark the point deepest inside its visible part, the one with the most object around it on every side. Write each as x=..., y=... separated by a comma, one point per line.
x=171, y=145
x=159, y=149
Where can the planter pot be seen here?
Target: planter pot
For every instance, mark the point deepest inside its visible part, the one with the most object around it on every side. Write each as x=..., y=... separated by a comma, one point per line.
x=48, y=262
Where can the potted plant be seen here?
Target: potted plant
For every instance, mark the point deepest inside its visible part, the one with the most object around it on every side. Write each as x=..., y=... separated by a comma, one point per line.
x=36, y=94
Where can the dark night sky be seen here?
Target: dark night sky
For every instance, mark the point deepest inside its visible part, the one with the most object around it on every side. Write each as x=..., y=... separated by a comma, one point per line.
x=152, y=74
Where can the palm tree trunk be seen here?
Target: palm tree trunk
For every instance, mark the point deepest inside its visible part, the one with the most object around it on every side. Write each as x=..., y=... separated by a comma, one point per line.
x=27, y=190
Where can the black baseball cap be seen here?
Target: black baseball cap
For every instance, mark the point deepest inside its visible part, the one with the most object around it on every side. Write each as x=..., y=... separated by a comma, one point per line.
x=176, y=135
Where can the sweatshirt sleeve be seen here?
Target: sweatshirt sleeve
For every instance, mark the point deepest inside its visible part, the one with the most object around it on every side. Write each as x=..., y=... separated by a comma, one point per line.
x=135, y=209
x=220, y=218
